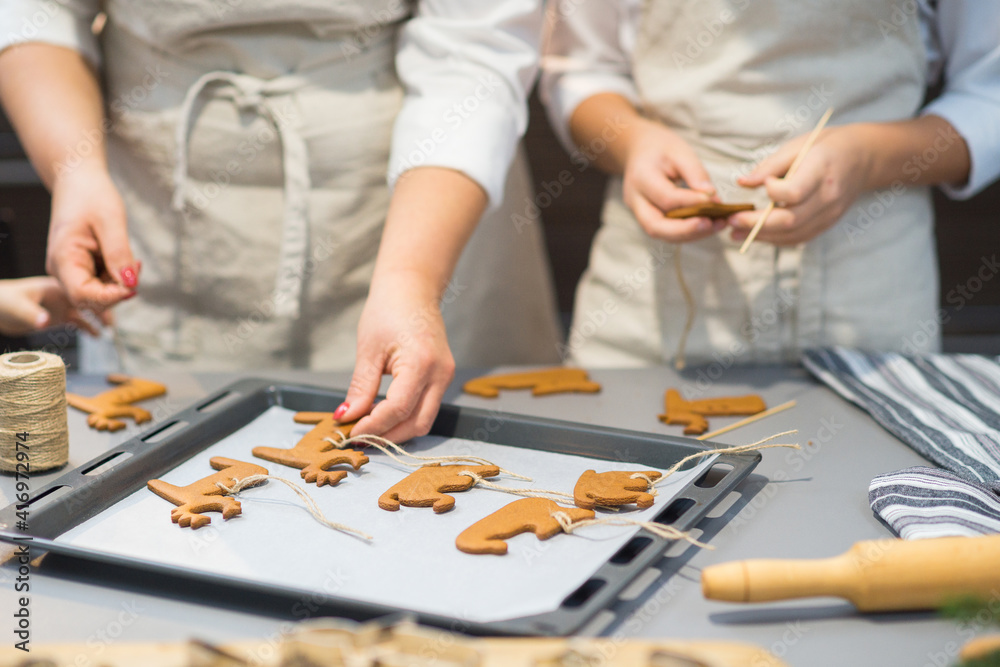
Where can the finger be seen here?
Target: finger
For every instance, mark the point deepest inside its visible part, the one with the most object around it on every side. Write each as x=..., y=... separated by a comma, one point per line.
x=790, y=227
x=419, y=423
x=664, y=195
x=24, y=315
x=689, y=168
x=427, y=408
x=775, y=165
x=112, y=240
x=365, y=382
x=673, y=230
x=800, y=186
x=87, y=291
x=400, y=404
x=780, y=219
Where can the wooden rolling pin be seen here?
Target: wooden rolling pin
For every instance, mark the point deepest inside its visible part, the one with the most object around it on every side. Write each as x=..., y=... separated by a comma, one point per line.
x=880, y=575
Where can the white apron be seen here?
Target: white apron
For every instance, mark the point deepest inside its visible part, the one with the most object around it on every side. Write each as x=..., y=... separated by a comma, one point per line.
x=736, y=78
x=253, y=166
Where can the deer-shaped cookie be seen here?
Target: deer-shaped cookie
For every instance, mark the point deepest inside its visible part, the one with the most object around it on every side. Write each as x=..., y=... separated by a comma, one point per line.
x=533, y=515
x=106, y=407
x=429, y=485
x=613, y=488
x=547, y=381
x=314, y=453
x=692, y=413
x=205, y=494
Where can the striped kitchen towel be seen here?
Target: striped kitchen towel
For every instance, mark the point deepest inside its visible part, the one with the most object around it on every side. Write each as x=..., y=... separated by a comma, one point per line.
x=946, y=407
x=923, y=502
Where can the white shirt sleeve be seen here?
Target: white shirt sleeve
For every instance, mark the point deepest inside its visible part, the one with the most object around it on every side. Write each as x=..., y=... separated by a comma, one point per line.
x=587, y=50
x=964, y=46
x=466, y=67
x=65, y=23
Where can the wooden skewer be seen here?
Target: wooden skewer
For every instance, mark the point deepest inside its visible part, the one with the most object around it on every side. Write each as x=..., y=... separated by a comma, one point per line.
x=749, y=420
x=791, y=171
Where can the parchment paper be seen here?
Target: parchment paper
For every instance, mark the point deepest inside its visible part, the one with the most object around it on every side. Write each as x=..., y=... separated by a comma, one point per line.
x=411, y=564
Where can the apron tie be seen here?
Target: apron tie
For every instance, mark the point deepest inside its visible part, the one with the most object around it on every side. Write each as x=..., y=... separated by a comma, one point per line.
x=253, y=94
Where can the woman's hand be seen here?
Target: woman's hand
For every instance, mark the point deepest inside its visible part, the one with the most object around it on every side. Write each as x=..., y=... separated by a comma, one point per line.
x=656, y=159
x=834, y=172
x=88, y=248
x=401, y=332
x=32, y=304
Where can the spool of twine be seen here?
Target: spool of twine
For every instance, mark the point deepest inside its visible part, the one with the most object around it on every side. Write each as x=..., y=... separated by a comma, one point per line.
x=33, y=402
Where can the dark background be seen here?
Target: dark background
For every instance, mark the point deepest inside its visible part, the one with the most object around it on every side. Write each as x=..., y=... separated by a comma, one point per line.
x=966, y=231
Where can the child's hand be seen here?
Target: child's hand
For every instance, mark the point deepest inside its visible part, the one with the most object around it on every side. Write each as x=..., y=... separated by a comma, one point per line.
x=657, y=158
x=830, y=178
x=31, y=304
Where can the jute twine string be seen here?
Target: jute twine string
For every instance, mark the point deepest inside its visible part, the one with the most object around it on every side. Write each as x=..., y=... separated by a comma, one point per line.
x=526, y=492
x=33, y=401
x=384, y=445
x=558, y=496
x=666, y=532
x=692, y=310
x=252, y=480
x=737, y=449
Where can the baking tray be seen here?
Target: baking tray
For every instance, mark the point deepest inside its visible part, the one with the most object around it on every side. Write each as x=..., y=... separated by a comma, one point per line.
x=79, y=495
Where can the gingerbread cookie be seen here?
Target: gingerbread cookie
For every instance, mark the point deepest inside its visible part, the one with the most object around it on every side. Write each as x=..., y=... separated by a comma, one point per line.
x=205, y=495
x=528, y=515
x=429, y=485
x=548, y=381
x=614, y=488
x=708, y=210
x=314, y=454
x=107, y=406
x=692, y=413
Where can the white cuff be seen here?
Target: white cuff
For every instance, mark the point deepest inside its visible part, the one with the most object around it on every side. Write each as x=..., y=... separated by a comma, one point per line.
x=563, y=93
x=49, y=23
x=976, y=120
x=476, y=136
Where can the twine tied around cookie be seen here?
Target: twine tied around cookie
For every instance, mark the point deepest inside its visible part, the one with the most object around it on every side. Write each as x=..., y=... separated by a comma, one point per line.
x=737, y=449
x=252, y=480
x=557, y=496
x=658, y=529
x=385, y=446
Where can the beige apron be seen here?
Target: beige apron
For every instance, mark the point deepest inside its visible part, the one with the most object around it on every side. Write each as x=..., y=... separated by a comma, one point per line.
x=253, y=167
x=736, y=78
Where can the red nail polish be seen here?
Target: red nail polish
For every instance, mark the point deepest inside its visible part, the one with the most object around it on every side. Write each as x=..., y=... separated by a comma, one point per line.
x=126, y=298
x=341, y=409
x=129, y=277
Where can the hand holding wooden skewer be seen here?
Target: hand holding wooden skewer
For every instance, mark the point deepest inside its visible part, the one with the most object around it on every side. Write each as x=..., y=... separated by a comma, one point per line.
x=791, y=171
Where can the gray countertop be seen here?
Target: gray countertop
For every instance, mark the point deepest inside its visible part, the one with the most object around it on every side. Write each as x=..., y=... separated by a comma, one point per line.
x=798, y=504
